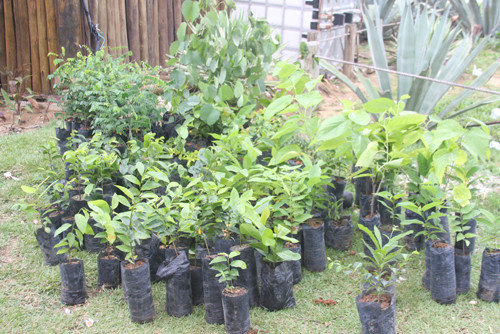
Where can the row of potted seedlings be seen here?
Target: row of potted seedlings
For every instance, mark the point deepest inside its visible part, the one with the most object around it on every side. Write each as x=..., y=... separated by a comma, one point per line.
x=148, y=194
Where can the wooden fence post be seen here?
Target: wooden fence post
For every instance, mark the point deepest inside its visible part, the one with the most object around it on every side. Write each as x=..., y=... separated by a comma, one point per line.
x=310, y=65
x=43, y=49
x=3, y=51
x=350, y=49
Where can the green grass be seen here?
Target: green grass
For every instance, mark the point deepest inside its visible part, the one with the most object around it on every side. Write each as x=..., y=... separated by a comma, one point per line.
x=30, y=291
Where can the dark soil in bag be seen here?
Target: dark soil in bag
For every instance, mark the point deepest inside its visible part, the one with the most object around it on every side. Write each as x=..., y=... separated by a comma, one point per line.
x=462, y=244
x=377, y=317
x=212, y=289
x=277, y=287
x=196, y=275
x=489, y=281
x=338, y=235
x=412, y=241
x=462, y=271
x=77, y=203
x=108, y=271
x=442, y=275
x=47, y=241
x=73, y=289
x=137, y=286
x=236, y=311
x=314, y=246
x=295, y=266
x=247, y=277
x=176, y=273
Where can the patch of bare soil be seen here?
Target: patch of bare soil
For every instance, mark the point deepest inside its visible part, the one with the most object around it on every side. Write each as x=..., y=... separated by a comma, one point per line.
x=6, y=252
x=43, y=111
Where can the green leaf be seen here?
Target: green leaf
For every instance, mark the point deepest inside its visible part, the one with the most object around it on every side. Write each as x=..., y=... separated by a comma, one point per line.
x=360, y=117
x=81, y=222
x=251, y=231
x=309, y=99
x=286, y=153
x=462, y=194
x=288, y=255
x=181, y=31
x=276, y=106
x=226, y=93
x=268, y=238
x=379, y=105
x=190, y=10
x=132, y=179
x=29, y=190
x=239, y=264
x=367, y=157
x=477, y=142
x=209, y=114
x=178, y=77
x=238, y=89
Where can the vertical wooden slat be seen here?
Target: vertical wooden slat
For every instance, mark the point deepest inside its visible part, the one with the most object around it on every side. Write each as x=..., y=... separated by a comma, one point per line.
x=163, y=34
x=171, y=21
x=177, y=15
x=153, y=50
x=93, y=7
x=143, y=30
x=3, y=51
x=33, y=40
x=52, y=40
x=133, y=29
x=110, y=32
x=116, y=25
x=69, y=25
x=10, y=36
x=123, y=30
x=42, y=46
x=22, y=37
x=103, y=20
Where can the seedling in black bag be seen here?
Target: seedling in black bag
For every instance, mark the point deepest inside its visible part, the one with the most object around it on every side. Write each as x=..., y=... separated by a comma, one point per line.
x=73, y=239
x=227, y=268
x=385, y=260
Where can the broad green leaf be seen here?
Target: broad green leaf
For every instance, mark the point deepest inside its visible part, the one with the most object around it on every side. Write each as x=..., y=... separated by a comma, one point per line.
x=250, y=230
x=379, y=105
x=178, y=77
x=277, y=106
x=285, y=153
x=28, y=190
x=309, y=99
x=209, y=114
x=268, y=238
x=366, y=158
x=360, y=117
x=462, y=194
x=226, y=93
x=190, y=10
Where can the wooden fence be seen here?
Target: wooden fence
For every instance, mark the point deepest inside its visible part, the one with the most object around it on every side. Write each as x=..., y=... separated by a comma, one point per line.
x=30, y=29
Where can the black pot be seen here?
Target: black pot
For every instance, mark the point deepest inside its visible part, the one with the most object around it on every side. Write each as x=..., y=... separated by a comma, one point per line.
x=442, y=276
x=414, y=241
x=247, y=277
x=137, y=288
x=62, y=134
x=426, y=278
x=85, y=133
x=212, y=288
x=93, y=244
x=347, y=199
x=196, y=276
x=489, y=281
x=462, y=244
x=77, y=203
x=370, y=223
x=46, y=240
x=295, y=266
x=462, y=271
x=314, y=247
x=339, y=236
x=374, y=319
x=365, y=205
x=179, y=298
x=277, y=287
x=338, y=188
x=108, y=271
x=73, y=289
x=223, y=244
x=236, y=311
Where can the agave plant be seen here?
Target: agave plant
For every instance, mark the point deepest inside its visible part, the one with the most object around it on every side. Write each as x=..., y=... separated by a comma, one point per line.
x=427, y=46
x=471, y=15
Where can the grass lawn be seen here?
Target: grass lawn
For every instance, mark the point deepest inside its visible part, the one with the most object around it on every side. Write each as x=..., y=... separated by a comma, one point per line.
x=30, y=291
